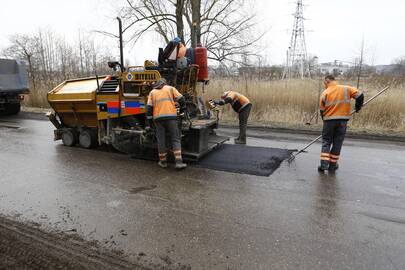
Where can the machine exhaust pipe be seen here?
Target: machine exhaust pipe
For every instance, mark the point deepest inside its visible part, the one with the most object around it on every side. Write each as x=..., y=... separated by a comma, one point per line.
x=121, y=46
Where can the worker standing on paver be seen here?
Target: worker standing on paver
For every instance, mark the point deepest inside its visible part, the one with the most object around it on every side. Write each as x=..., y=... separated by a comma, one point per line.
x=242, y=106
x=161, y=108
x=335, y=109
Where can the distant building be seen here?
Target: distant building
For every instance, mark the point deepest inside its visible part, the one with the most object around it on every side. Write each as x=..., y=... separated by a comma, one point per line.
x=385, y=69
x=251, y=72
x=275, y=72
x=264, y=72
x=335, y=68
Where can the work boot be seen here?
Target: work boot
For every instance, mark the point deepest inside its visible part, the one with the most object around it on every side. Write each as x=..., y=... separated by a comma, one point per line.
x=162, y=163
x=323, y=167
x=240, y=141
x=163, y=160
x=180, y=165
x=333, y=166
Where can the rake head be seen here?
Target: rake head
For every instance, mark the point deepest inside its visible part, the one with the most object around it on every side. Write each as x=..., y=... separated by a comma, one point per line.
x=291, y=159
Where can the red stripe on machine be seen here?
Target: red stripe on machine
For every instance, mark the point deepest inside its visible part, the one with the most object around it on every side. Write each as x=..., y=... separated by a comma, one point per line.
x=133, y=110
x=113, y=104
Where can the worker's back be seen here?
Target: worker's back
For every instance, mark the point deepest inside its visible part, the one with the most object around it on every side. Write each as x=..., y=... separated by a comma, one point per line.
x=335, y=101
x=239, y=101
x=163, y=102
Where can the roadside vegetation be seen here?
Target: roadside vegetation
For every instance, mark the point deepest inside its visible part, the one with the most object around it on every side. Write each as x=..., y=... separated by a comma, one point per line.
x=294, y=102
x=291, y=103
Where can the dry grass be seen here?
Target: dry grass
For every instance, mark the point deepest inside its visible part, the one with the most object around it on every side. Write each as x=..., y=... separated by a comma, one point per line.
x=294, y=102
x=37, y=97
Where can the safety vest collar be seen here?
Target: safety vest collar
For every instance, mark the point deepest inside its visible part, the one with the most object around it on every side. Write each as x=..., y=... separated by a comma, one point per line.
x=332, y=83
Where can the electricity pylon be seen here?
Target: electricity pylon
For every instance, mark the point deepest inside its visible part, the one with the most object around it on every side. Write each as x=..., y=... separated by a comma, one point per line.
x=297, y=65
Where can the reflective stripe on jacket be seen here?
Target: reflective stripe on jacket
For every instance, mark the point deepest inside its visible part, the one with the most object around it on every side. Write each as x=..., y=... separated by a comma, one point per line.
x=238, y=101
x=335, y=101
x=163, y=102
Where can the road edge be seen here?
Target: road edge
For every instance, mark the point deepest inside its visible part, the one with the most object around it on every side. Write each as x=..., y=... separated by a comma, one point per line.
x=40, y=115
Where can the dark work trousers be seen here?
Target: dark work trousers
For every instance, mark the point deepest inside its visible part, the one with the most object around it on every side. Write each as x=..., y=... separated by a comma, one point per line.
x=333, y=135
x=167, y=126
x=243, y=120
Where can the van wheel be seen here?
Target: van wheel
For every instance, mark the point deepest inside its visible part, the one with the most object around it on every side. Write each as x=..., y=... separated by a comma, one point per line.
x=69, y=137
x=12, y=108
x=88, y=138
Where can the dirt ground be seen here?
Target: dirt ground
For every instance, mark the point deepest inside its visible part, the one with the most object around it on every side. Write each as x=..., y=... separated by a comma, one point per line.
x=24, y=246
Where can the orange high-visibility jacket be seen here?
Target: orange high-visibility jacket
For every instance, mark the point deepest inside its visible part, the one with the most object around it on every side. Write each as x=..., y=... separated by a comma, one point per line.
x=335, y=101
x=238, y=101
x=162, y=102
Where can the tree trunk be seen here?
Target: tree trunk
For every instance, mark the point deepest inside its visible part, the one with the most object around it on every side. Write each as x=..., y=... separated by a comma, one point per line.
x=179, y=19
x=31, y=72
x=196, y=19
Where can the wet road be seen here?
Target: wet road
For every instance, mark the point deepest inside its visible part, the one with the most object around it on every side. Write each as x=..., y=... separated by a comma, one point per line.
x=204, y=219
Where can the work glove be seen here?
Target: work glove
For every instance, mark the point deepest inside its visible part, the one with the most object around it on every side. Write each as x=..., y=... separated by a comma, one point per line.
x=321, y=114
x=359, y=102
x=182, y=109
x=218, y=102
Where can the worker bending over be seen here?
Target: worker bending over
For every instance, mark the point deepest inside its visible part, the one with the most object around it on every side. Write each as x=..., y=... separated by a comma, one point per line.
x=161, y=108
x=242, y=106
x=335, y=108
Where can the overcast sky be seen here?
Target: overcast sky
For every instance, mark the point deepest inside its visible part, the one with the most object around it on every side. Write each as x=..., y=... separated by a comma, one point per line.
x=335, y=28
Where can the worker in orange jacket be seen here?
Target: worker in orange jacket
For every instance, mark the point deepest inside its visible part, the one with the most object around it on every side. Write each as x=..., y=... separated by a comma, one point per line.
x=335, y=109
x=161, y=108
x=242, y=106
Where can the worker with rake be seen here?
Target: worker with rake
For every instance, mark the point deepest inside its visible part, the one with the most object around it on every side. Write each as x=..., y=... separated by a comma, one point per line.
x=335, y=109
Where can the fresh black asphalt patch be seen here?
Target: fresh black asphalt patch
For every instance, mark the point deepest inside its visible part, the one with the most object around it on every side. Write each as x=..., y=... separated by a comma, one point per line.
x=244, y=159
x=235, y=158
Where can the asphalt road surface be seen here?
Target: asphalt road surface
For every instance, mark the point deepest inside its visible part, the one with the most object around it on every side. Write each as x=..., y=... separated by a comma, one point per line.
x=129, y=213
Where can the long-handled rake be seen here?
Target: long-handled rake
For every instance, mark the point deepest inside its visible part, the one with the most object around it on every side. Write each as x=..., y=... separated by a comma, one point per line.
x=293, y=155
x=308, y=123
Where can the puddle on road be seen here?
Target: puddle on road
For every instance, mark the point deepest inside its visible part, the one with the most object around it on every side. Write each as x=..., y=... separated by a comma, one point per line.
x=140, y=189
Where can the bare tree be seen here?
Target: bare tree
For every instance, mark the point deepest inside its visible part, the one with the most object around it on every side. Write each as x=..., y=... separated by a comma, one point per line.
x=23, y=47
x=195, y=22
x=225, y=27
x=179, y=18
x=399, y=66
x=52, y=60
x=154, y=15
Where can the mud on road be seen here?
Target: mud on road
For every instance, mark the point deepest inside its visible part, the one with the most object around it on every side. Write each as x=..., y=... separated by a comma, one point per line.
x=23, y=246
